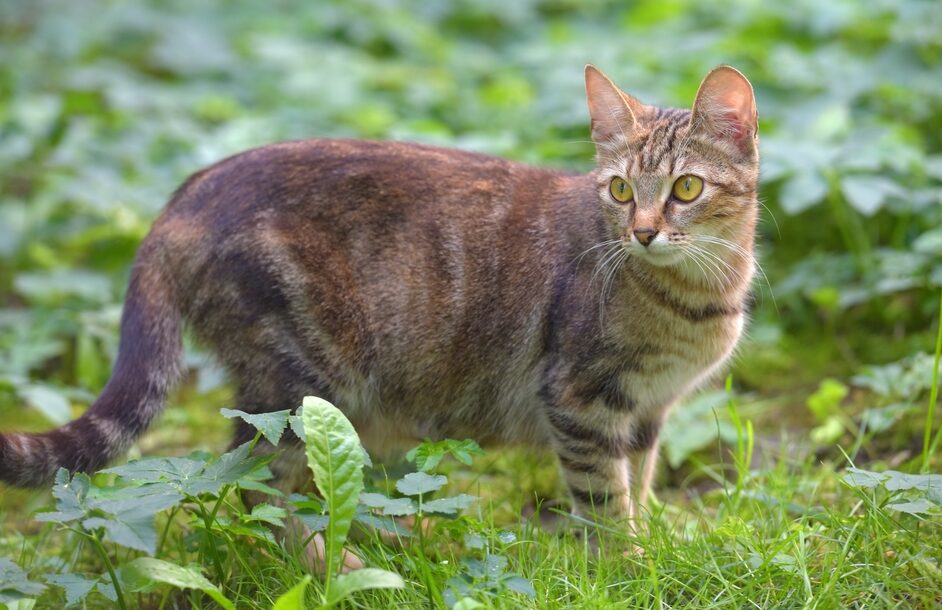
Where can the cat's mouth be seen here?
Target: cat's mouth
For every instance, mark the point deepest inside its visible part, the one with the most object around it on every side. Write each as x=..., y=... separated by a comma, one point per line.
x=657, y=254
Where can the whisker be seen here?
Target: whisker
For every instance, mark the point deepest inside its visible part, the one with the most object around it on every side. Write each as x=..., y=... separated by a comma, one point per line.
x=745, y=255
x=608, y=283
x=598, y=245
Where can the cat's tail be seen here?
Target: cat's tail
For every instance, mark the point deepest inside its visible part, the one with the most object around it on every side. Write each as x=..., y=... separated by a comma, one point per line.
x=148, y=365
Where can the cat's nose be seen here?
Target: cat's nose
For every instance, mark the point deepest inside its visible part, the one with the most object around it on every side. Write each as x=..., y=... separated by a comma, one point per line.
x=645, y=236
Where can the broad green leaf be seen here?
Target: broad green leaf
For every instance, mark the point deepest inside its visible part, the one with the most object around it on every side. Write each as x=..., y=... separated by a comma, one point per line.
x=335, y=457
x=826, y=401
x=76, y=587
x=868, y=193
x=396, y=507
x=145, y=571
x=15, y=584
x=416, y=483
x=360, y=580
x=70, y=494
x=271, y=425
x=136, y=534
x=914, y=507
x=177, y=470
x=467, y=603
x=229, y=469
x=293, y=599
x=267, y=513
x=863, y=478
x=828, y=432
x=315, y=522
x=48, y=401
x=695, y=425
x=383, y=523
x=449, y=506
x=429, y=454
x=519, y=584
x=802, y=191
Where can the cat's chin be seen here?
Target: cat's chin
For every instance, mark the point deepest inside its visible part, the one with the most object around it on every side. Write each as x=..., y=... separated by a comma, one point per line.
x=658, y=258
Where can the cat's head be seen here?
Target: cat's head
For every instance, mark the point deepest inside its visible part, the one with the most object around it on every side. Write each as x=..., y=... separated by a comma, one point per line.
x=673, y=182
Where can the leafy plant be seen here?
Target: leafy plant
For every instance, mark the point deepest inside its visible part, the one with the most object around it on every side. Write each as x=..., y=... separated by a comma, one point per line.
x=335, y=457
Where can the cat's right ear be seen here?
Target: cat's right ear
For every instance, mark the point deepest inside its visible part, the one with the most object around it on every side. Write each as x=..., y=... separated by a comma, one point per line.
x=611, y=110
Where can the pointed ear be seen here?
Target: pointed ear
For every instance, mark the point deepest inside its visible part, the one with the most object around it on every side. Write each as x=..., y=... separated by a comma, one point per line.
x=726, y=108
x=612, y=111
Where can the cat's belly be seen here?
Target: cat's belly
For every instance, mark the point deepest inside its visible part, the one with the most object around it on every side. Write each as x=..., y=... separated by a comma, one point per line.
x=508, y=415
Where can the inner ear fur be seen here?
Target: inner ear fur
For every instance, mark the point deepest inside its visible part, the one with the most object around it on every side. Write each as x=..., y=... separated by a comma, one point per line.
x=613, y=112
x=725, y=106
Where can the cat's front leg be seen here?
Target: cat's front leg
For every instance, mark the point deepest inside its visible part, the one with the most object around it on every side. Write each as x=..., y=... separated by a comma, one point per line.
x=593, y=462
x=643, y=451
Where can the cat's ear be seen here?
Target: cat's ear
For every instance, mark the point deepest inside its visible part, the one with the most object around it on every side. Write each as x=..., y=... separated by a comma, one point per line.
x=726, y=108
x=612, y=110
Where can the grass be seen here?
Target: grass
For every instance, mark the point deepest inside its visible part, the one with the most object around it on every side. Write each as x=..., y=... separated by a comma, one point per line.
x=776, y=527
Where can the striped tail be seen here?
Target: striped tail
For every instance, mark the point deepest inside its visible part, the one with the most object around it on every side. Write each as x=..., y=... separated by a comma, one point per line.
x=148, y=366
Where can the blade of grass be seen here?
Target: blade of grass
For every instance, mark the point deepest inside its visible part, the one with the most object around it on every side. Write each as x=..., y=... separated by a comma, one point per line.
x=933, y=397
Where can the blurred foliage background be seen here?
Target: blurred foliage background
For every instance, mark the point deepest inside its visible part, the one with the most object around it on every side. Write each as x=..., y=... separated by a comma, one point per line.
x=106, y=106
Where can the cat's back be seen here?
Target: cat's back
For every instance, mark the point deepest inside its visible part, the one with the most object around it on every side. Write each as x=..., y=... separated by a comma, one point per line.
x=346, y=181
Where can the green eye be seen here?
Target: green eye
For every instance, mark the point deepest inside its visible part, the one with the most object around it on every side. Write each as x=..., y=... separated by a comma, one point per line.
x=621, y=190
x=687, y=188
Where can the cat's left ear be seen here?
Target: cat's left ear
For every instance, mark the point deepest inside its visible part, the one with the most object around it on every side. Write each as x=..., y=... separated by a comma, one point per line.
x=614, y=113
x=726, y=108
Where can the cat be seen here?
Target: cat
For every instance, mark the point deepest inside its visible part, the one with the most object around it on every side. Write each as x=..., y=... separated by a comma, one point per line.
x=433, y=293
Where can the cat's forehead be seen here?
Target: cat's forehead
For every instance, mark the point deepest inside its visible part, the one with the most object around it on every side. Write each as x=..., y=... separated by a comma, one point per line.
x=657, y=139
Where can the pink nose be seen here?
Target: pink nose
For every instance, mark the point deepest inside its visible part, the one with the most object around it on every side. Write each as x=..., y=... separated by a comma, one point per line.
x=645, y=236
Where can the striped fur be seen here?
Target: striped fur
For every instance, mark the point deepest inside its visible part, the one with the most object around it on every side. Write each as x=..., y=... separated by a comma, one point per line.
x=435, y=293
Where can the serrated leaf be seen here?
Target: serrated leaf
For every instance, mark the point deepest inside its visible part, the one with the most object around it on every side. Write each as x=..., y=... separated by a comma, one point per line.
x=15, y=584
x=396, y=507
x=429, y=454
x=360, y=580
x=335, y=457
x=145, y=571
x=519, y=584
x=383, y=523
x=268, y=513
x=76, y=587
x=177, y=470
x=293, y=599
x=229, y=469
x=914, y=507
x=271, y=425
x=416, y=483
x=253, y=485
x=315, y=522
x=449, y=506
x=138, y=534
x=70, y=497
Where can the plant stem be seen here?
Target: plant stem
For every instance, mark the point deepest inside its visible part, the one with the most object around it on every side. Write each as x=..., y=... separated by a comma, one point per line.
x=933, y=395
x=211, y=541
x=96, y=542
x=163, y=535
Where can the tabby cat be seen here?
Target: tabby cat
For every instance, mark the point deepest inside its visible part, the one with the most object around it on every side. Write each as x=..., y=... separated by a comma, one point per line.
x=434, y=293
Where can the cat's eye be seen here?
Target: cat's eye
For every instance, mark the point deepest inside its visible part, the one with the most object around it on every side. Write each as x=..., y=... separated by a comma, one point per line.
x=687, y=188
x=621, y=190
